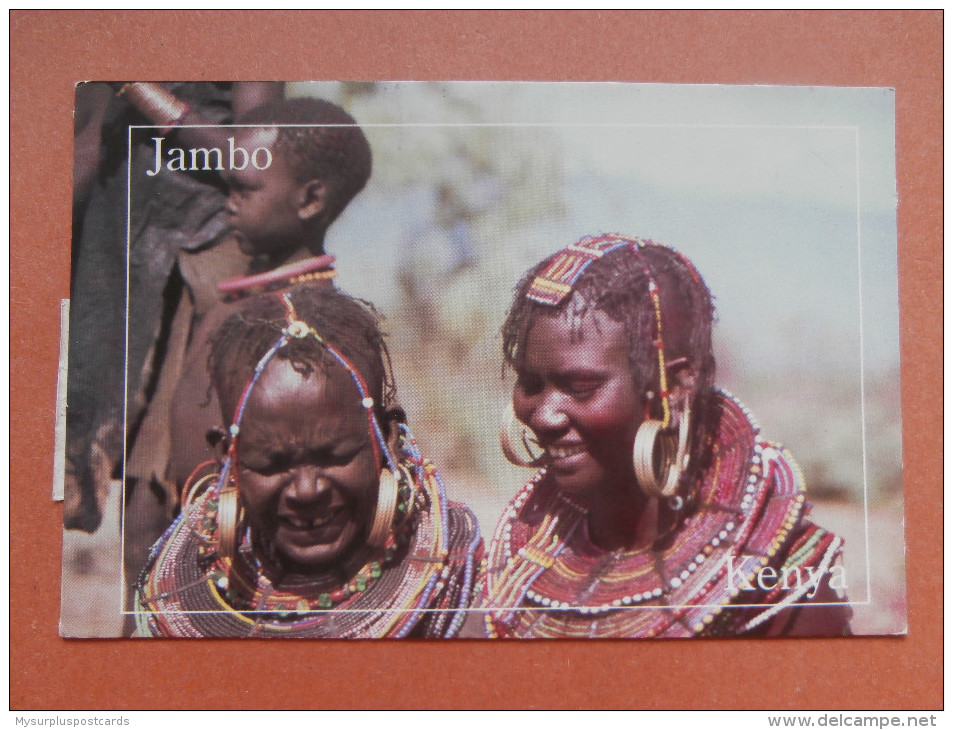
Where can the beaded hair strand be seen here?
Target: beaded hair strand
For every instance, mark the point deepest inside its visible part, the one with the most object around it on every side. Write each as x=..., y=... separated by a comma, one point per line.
x=351, y=324
x=652, y=290
x=297, y=330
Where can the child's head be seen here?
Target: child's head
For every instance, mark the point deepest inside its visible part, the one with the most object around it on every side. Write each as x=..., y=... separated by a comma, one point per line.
x=306, y=458
x=319, y=164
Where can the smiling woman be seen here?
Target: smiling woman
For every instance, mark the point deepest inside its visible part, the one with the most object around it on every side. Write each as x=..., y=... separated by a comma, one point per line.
x=576, y=393
x=657, y=508
x=323, y=519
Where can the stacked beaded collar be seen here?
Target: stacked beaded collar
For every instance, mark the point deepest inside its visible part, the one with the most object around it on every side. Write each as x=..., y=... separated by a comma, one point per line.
x=318, y=268
x=421, y=586
x=546, y=580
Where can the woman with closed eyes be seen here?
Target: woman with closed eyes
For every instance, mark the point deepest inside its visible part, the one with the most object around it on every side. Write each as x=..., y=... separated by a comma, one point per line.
x=323, y=519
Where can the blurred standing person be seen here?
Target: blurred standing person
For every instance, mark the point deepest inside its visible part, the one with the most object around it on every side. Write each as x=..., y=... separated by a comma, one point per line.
x=169, y=231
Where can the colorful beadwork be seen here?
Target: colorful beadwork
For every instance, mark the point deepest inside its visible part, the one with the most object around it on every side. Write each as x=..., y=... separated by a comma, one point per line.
x=419, y=584
x=296, y=329
x=556, y=281
x=317, y=268
x=545, y=579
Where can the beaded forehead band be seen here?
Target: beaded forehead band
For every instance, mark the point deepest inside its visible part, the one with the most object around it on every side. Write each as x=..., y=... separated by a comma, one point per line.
x=297, y=329
x=556, y=282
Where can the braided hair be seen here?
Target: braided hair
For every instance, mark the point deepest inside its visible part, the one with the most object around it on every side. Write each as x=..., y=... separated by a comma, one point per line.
x=351, y=325
x=339, y=154
x=617, y=285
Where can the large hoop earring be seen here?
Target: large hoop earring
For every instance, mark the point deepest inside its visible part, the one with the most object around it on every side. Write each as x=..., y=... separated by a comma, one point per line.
x=387, y=498
x=231, y=514
x=517, y=440
x=194, y=488
x=660, y=457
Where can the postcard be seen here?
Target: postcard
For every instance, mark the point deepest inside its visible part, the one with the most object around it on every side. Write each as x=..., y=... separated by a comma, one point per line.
x=482, y=360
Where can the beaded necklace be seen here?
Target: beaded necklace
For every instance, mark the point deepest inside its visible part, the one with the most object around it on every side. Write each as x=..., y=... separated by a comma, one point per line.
x=750, y=502
x=317, y=268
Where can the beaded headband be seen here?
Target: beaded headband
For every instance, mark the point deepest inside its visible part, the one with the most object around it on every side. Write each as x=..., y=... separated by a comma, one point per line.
x=297, y=329
x=556, y=282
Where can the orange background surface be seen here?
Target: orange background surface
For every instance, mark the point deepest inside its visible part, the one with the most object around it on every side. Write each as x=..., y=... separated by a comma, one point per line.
x=50, y=51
